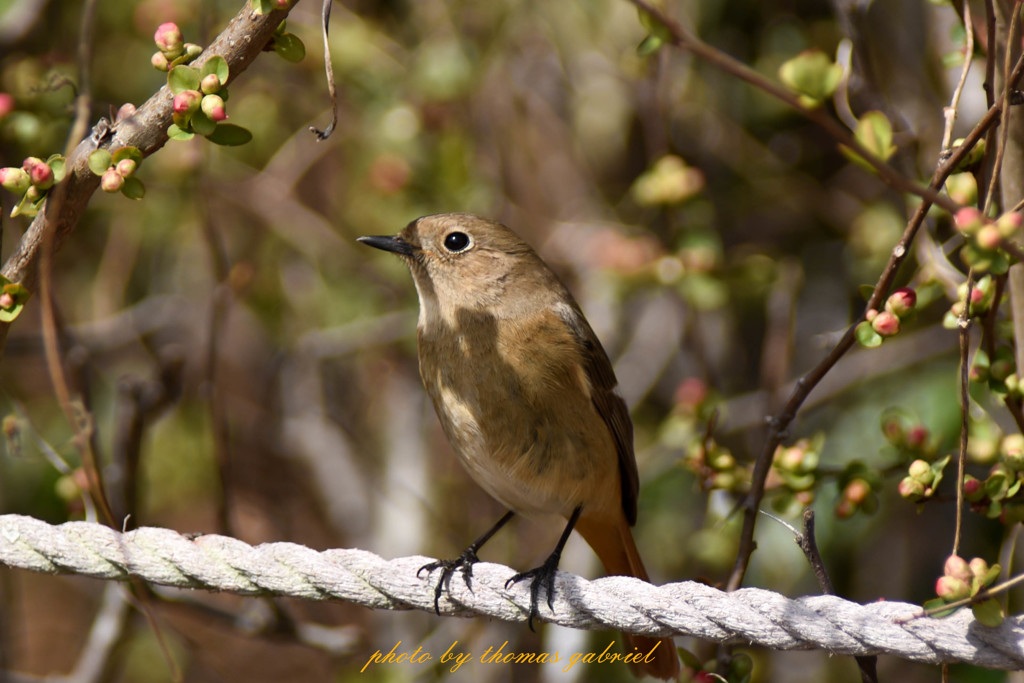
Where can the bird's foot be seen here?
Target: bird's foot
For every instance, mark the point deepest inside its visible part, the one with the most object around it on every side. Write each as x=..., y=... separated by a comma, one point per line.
x=540, y=577
x=465, y=562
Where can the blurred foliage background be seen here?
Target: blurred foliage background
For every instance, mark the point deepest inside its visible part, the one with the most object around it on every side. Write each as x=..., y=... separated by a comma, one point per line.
x=715, y=239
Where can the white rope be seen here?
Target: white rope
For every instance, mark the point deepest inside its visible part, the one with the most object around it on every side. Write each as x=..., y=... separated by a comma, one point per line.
x=747, y=616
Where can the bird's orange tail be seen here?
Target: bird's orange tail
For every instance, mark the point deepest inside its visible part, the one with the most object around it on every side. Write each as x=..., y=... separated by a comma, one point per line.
x=614, y=546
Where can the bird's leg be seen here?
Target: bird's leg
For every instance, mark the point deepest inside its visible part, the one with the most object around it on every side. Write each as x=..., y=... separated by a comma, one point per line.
x=465, y=561
x=544, y=575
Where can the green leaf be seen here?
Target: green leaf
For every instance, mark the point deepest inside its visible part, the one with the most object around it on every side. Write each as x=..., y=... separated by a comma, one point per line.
x=20, y=296
x=812, y=75
x=230, y=135
x=689, y=659
x=133, y=188
x=649, y=45
x=262, y=6
x=176, y=133
x=988, y=612
x=182, y=78
x=937, y=467
x=936, y=603
x=654, y=26
x=99, y=161
x=991, y=575
x=202, y=124
x=58, y=165
x=875, y=132
x=26, y=207
x=289, y=47
x=216, y=65
x=183, y=58
x=8, y=315
x=133, y=153
x=866, y=335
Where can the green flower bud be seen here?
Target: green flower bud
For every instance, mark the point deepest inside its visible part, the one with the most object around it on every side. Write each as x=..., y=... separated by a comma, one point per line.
x=911, y=489
x=15, y=180
x=125, y=167
x=159, y=62
x=112, y=181
x=210, y=84
x=950, y=589
x=213, y=107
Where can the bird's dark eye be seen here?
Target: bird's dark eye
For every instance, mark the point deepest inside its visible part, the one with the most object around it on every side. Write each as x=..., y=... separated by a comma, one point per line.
x=456, y=241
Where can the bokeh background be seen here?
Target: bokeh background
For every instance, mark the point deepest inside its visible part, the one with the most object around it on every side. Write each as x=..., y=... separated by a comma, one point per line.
x=715, y=239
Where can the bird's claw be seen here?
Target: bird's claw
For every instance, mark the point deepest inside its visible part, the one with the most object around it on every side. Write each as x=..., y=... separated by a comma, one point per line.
x=465, y=562
x=541, y=577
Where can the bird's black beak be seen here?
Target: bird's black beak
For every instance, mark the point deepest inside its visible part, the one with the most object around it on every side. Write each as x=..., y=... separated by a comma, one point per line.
x=388, y=243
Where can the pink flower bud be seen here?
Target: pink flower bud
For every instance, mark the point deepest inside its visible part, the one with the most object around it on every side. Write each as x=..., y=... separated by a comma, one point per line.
x=791, y=458
x=112, y=181
x=1009, y=223
x=957, y=568
x=159, y=62
x=283, y=4
x=169, y=39
x=127, y=110
x=886, y=324
x=125, y=167
x=6, y=104
x=871, y=314
x=911, y=488
x=844, y=509
x=974, y=490
x=691, y=392
x=901, y=301
x=6, y=300
x=210, y=84
x=187, y=102
x=39, y=173
x=979, y=568
x=950, y=589
x=857, y=491
x=988, y=237
x=15, y=180
x=968, y=219
x=917, y=436
x=213, y=107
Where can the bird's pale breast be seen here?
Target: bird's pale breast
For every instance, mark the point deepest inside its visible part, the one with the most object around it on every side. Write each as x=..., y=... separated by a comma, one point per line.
x=514, y=400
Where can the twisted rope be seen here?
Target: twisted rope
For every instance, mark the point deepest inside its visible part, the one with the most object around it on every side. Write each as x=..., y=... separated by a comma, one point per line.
x=749, y=616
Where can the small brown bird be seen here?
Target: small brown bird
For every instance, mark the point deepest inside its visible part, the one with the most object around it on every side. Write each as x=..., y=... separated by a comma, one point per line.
x=526, y=396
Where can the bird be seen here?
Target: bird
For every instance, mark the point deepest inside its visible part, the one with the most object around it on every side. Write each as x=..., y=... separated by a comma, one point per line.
x=527, y=397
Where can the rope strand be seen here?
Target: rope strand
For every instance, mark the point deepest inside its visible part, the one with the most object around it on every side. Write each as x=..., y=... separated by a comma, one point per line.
x=750, y=616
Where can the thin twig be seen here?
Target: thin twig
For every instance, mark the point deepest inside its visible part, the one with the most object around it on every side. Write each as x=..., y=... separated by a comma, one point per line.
x=332, y=87
x=949, y=113
x=964, y=329
x=1004, y=127
x=809, y=545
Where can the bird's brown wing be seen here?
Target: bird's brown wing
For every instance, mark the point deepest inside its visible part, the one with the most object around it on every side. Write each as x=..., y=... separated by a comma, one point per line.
x=609, y=404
